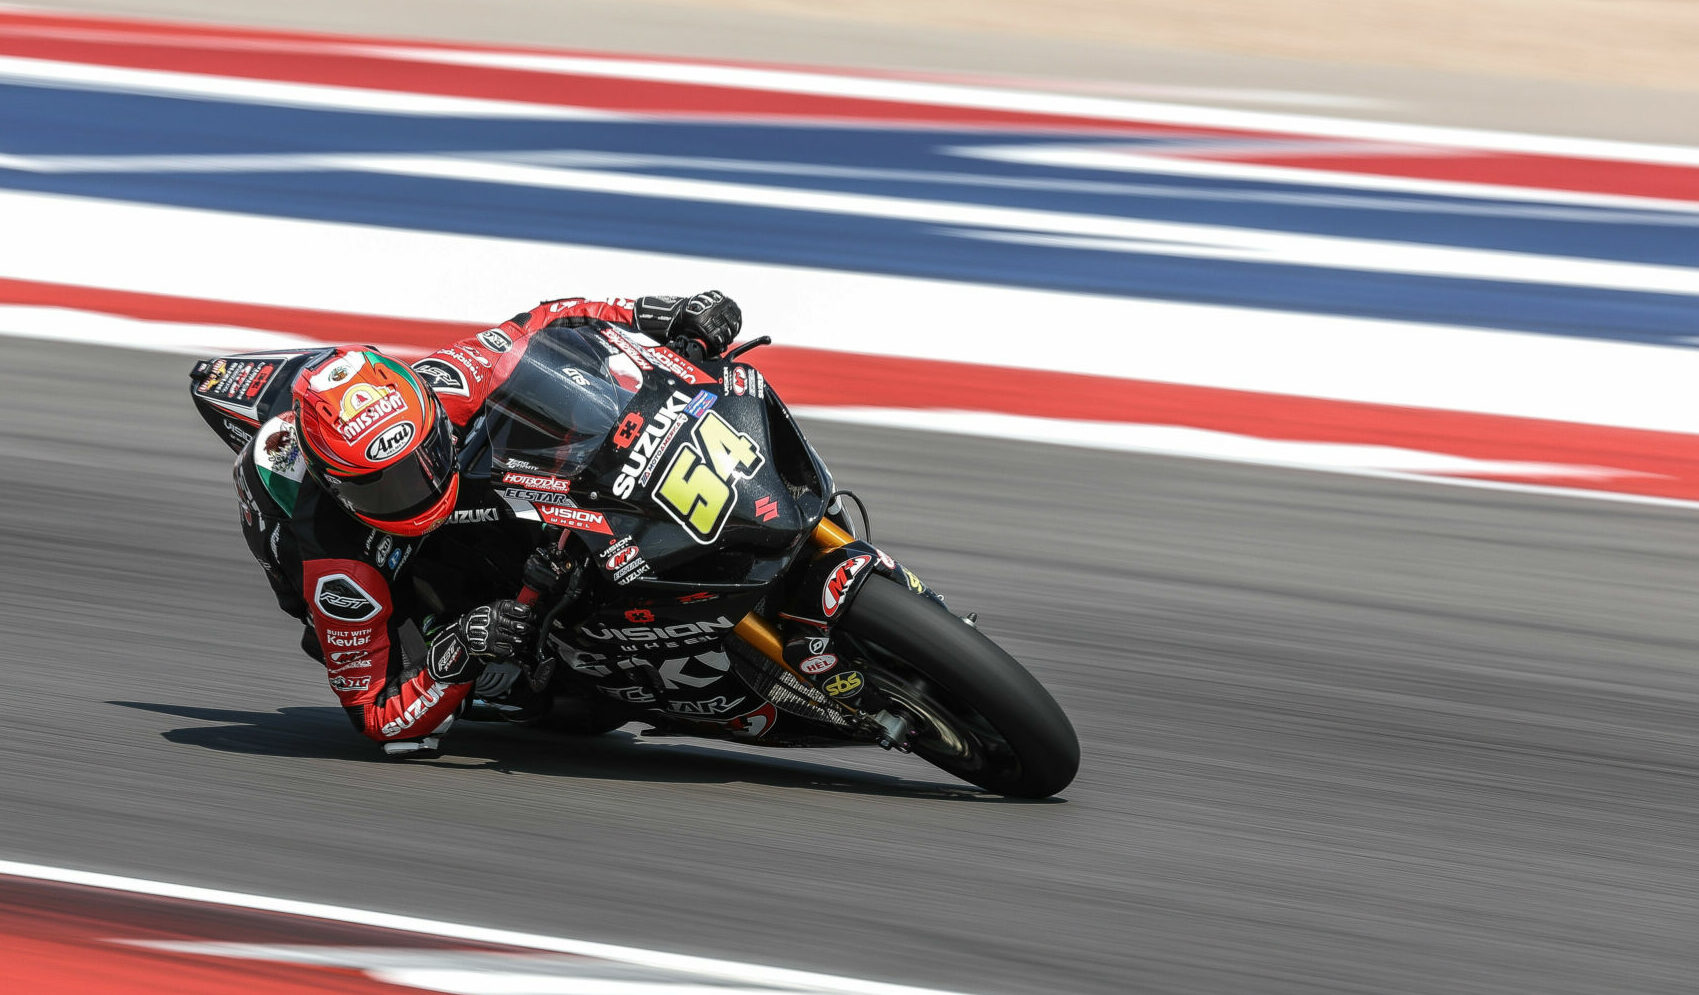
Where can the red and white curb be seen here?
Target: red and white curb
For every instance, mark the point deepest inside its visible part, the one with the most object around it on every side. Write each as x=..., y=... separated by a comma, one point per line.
x=66, y=930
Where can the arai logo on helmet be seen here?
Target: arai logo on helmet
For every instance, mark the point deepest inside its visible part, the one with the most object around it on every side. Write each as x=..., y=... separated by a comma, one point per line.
x=390, y=444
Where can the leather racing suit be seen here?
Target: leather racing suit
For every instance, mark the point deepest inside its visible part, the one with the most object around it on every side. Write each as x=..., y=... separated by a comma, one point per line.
x=366, y=595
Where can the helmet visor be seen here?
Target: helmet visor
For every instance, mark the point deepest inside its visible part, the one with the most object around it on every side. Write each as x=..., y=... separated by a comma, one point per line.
x=405, y=488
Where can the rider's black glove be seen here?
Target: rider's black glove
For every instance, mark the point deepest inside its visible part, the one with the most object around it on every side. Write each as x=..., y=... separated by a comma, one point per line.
x=710, y=318
x=492, y=633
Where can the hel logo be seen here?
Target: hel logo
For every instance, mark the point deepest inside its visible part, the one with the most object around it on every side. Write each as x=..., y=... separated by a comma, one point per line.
x=621, y=558
x=626, y=434
x=340, y=597
x=767, y=509
x=838, y=584
x=390, y=444
x=818, y=664
x=573, y=518
x=843, y=684
x=358, y=397
x=444, y=377
x=740, y=380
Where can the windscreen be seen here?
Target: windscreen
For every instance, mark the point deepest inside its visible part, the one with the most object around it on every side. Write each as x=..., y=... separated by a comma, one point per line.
x=562, y=399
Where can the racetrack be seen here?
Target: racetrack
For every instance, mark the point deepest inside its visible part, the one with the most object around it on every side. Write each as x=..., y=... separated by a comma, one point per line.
x=1340, y=734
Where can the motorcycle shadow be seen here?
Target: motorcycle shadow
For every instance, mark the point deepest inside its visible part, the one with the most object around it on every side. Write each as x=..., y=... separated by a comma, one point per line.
x=323, y=733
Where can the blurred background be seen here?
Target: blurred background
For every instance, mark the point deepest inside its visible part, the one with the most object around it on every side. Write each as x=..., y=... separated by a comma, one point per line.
x=1299, y=388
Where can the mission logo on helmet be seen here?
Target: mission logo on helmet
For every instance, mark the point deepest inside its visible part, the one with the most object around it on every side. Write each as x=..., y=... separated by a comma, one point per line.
x=377, y=439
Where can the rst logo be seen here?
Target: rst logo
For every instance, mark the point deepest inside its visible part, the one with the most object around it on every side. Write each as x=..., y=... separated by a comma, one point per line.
x=648, y=445
x=391, y=442
x=340, y=597
x=838, y=584
x=444, y=377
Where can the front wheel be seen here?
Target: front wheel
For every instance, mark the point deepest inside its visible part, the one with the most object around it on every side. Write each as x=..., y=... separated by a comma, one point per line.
x=976, y=712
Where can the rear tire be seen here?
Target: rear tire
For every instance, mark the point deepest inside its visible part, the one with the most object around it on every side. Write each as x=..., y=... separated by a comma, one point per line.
x=983, y=717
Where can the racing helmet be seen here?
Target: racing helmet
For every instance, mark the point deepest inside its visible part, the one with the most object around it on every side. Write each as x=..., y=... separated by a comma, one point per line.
x=377, y=440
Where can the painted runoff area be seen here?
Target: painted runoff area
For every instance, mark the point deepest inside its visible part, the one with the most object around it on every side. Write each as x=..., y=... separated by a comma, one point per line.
x=71, y=930
x=1429, y=303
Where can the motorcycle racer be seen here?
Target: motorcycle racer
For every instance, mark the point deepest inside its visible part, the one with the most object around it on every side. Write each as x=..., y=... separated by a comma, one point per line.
x=341, y=496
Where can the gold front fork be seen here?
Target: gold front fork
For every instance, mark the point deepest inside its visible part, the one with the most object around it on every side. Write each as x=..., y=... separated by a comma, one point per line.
x=760, y=633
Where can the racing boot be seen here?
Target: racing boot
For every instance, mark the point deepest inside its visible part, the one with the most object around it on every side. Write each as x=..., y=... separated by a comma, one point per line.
x=427, y=747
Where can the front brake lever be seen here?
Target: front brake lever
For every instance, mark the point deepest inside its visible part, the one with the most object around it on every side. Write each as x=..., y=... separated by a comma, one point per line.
x=751, y=344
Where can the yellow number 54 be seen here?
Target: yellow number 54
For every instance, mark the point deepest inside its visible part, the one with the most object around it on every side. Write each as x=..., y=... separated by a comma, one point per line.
x=700, y=485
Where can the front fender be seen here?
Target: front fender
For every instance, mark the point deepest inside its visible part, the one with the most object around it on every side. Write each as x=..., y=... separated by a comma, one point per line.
x=832, y=580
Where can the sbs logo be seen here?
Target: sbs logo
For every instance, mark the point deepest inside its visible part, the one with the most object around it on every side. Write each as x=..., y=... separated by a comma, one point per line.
x=843, y=684
x=390, y=444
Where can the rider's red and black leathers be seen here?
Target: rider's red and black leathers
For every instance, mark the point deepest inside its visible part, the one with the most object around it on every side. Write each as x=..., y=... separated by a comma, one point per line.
x=357, y=588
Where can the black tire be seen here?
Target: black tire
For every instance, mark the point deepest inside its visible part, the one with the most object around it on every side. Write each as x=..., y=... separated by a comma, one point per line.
x=992, y=724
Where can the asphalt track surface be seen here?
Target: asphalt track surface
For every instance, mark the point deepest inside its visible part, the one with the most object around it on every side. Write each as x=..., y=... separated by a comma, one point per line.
x=1340, y=734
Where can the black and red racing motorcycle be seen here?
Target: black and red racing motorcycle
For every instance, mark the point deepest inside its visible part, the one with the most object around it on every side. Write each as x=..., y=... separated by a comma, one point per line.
x=715, y=585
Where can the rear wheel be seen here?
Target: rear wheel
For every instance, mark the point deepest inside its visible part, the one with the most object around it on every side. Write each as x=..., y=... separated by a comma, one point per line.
x=974, y=710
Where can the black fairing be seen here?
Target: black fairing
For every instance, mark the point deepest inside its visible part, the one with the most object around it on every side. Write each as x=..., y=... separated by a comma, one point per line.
x=236, y=394
x=546, y=421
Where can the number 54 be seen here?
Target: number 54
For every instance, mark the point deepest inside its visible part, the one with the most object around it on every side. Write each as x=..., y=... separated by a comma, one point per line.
x=699, y=487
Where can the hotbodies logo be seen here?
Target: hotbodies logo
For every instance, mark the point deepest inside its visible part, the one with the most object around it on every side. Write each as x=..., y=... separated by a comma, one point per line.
x=649, y=445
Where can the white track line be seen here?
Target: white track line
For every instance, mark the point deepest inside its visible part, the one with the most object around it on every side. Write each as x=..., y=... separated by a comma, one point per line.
x=730, y=970
x=843, y=84
x=362, y=269
x=85, y=328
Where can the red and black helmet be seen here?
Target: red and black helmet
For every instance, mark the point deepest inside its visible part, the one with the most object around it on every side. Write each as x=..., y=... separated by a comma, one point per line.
x=377, y=440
